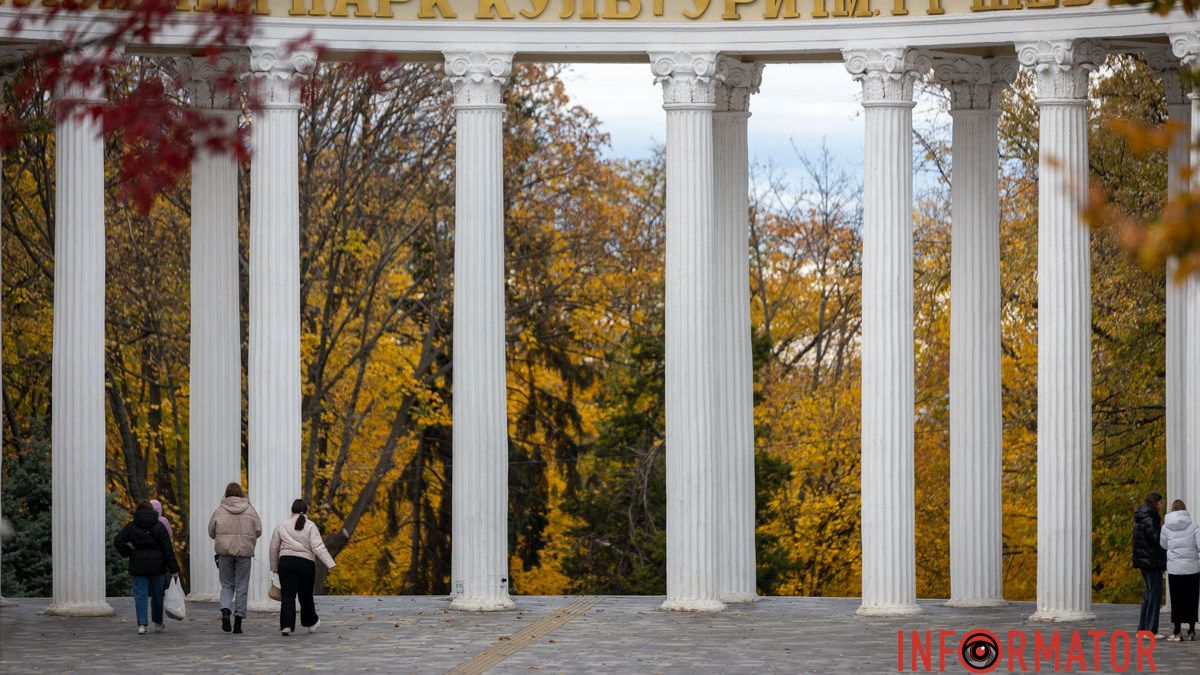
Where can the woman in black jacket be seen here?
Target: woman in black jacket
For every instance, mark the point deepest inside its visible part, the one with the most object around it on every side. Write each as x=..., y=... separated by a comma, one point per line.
x=1150, y=558
x=148, y=546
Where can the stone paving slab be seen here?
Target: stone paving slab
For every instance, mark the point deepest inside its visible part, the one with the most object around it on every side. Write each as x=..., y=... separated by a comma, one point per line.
x=618, y=634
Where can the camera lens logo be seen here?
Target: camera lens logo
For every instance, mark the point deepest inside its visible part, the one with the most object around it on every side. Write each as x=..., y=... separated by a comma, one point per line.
x=979, y=651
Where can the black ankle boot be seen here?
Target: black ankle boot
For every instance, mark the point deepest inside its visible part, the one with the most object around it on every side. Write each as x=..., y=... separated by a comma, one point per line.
x=225, y=621
x=237, y=624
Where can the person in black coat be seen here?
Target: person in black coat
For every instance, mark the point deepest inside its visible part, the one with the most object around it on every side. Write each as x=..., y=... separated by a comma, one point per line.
x=1150, y=558
x=148, y=546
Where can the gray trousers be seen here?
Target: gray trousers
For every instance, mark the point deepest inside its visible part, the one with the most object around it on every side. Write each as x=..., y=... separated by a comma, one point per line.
x=235, y=582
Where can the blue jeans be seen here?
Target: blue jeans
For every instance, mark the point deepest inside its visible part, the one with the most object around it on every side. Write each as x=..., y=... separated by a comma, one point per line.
x=148, y=588
x=1152, y=591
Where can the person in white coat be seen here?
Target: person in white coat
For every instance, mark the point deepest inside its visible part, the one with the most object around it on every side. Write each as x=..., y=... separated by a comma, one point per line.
x=295, y=546
x=1181, y=538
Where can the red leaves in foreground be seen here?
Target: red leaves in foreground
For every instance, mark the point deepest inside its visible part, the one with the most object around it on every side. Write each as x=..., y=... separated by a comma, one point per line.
x=158, y=130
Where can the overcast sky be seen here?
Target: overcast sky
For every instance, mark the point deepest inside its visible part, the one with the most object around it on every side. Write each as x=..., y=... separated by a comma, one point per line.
x=798, y=104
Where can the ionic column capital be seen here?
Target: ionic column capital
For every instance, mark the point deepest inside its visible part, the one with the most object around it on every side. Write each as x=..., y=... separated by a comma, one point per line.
x=688, y=79
x=478, y=78
x=277, y=75
x=1061, y=67
x=736, y=82
x=887, y=75
x=12, y=57
x=1166, y=66
x=1186, y=47
x=70, y=92
x=211, y=84
x=974, y=83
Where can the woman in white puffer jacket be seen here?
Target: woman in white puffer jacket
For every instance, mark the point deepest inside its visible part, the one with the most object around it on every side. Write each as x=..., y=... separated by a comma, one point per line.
x=1181, y=537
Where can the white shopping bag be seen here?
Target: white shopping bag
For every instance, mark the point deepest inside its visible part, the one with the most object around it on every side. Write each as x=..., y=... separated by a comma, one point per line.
x=174, y=604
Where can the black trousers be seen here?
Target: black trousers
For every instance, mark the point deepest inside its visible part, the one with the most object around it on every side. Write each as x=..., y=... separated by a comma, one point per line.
x=1185, y=596
x=296, y=579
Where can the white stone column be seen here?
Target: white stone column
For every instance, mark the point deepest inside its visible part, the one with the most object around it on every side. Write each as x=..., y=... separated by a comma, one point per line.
x=693, y=530
x=479, y=539
x=1064, y=471
x=1186, y=47
x=976, y=542
x=734, y=383
x=889, y=555
x=274, y=374
x=10, y=58
x=77, y=435
x=215, y=375
x=1166, y=66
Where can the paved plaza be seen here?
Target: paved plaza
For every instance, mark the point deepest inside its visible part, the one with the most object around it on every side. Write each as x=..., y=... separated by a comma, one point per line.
x=550, y=634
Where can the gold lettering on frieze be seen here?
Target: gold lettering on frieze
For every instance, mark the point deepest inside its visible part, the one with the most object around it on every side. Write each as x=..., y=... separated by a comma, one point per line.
x=490, y=9
x=384, y=10
x=701, y=8
x=586, y=10
x=442, y=7
x=732, y=12
x=341, y=8
x=992, y=5
x=536, y=8
x=844, y=8
x=781, y=8
x=613, y=9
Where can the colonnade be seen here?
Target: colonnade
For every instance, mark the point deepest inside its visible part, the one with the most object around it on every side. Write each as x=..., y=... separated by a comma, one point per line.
x=709, y=407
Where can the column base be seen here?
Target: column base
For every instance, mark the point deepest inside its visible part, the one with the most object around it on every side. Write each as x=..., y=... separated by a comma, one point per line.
x=463, y=603
x=1061, y=615
x=203, y=597
x=977, y=602
x=268, y=606
x=905, y=609
x=692, y=605
x=3, y=602
x=80, y=609
x=738, y=598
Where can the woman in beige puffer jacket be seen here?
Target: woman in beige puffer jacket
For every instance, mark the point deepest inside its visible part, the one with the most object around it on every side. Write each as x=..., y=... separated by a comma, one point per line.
x=235, y=527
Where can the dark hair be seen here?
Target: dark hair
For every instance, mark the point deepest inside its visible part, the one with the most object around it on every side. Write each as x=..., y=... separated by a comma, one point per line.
x=1153, y=499
x=299, y=506
x=234, y=490
x=1178, y=505
x=144, y=504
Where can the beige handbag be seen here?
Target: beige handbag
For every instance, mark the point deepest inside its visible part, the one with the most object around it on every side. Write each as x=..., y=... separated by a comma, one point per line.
x=274, y=592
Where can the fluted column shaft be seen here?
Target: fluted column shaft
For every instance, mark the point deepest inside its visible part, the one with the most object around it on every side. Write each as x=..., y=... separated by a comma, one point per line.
x=1178, y=327
x=693, y=528
x=77, y=374
x=274, y=372
x=1064, y=331
x=215, y=375
x=734, y=385
x=976, y=542
x=1186, y=47
x=888, y=557
x=479, y=543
